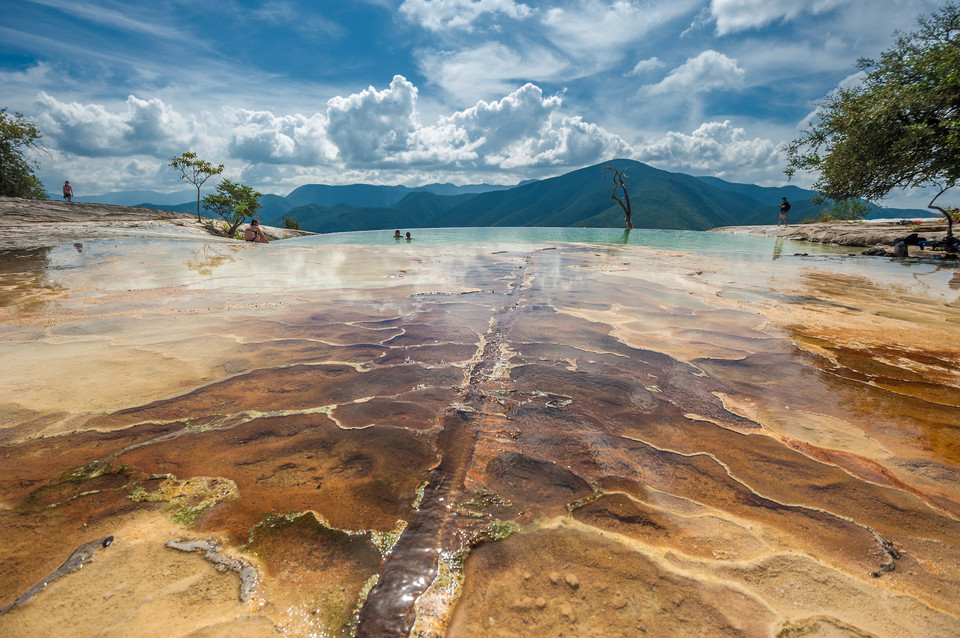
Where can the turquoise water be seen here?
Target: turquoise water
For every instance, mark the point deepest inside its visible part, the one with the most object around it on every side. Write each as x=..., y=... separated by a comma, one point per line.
x=683, y=240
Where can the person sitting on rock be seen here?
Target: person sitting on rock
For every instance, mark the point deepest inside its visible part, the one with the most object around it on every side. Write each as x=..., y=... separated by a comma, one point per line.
x=254, y=233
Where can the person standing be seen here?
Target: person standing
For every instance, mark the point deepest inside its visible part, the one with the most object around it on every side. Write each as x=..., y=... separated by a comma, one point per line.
x=784, y=207
x=67, y=191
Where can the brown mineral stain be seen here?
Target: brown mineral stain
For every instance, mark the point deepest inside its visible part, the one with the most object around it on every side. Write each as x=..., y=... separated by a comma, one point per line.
x=621, y=592
x=591, y=441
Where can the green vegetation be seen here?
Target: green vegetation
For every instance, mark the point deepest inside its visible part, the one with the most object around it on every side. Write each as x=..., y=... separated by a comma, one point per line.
x=94, y=469
x=186, y=500
x=368, y=585
x=845, y=210
x=583, y=501
x=233, y=203
x=421, y=489
x=196, y=171
x=186, y=515
x=495, y=531
x=899, y=128
x=384, y=541
x=291, y=223
x=17, y=178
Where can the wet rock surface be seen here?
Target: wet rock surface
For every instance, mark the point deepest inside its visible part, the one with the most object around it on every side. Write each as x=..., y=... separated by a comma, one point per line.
x=613, y=441
x=29, y=224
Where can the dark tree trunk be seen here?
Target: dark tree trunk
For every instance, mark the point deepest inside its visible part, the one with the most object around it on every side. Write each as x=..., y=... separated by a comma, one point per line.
x=620, y=183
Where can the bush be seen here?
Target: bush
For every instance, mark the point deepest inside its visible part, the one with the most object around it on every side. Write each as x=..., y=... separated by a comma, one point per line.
x=291, y=223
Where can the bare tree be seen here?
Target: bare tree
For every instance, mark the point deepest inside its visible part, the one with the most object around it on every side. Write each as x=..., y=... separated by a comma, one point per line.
x=620, y=183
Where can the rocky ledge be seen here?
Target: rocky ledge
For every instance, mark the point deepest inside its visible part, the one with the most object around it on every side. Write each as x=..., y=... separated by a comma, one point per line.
x=878, y=238
x=33, y=223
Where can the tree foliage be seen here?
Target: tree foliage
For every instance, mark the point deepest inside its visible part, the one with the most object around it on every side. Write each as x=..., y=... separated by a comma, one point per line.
x=17, y=136
x=196, y=171
x=899, y=128
x=233, y=203
x=620, y=183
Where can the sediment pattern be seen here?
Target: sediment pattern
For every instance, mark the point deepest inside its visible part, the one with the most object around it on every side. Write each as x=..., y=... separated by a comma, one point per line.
x=532, y=441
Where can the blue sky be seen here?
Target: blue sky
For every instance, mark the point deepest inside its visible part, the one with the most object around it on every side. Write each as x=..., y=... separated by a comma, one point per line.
x=286, y=93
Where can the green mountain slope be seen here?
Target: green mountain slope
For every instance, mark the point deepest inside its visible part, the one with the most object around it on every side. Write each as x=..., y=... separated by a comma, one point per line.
x=660, y=199
x=416, y=210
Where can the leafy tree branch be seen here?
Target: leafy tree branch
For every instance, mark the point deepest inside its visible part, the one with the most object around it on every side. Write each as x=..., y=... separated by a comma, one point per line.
x=899, y=128
x=233, y=203
x=17, y=137
x=196, y=171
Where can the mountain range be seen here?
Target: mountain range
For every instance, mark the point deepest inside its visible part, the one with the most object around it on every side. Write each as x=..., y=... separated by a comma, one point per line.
x=660, y=199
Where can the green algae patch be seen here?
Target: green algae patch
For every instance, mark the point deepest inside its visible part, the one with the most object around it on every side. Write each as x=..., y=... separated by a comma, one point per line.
x=189, y=499
x=421, y=489
x=482, y=501
x=78, y=482
x=93, y=470
x=384, y=541
x=361, y=601
x=580, y=502
x=435, y=605
x=495, y=531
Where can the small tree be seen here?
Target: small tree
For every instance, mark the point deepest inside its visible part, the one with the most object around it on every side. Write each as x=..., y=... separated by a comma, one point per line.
x=233, y=203
x=900, y=128
x=620, y=183
x=17, y=178
x=196, y=171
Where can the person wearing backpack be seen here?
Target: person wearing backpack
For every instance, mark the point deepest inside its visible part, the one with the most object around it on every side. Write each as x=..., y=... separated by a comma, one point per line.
x=784, y=207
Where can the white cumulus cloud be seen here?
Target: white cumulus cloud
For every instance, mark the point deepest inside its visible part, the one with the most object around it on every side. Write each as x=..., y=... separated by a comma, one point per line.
x=373, y=125
x=452, y=14
x=708, y=71
x=261, y=136
x=374, y=132
x=527, y=129
x=715, y=148
x=147, y=126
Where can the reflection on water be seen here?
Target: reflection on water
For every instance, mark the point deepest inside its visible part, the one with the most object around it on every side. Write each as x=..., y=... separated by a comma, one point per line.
x=467, y=436
x=208, y=257
x=25, y=283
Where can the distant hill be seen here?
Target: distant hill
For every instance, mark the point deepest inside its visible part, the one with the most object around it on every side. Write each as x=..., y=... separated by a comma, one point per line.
x=801, y=206
x=371, y=196
x=135, y=198
x=661, y=199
